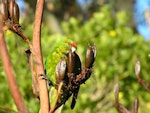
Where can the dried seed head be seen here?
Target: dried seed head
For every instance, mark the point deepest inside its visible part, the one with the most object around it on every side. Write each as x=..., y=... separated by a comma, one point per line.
x=60, y=70
x=90, y=56
x=16, y=14
x=4, y=10
x=11, y=5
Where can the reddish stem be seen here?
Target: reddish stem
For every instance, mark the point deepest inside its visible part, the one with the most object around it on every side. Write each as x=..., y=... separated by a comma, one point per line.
x=37, y=57
x=10, y=74
x=120, y=108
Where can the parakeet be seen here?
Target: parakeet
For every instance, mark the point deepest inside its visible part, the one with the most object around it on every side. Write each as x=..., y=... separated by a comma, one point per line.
x=59, y=51
x=57, y=66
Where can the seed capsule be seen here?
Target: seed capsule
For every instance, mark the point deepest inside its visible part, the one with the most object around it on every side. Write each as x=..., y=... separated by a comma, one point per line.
x=5, y=2
x=16, y=14
x=90, y=56
x=71, y=62
x=4, y=10
x=60, y=70
x=11, y=5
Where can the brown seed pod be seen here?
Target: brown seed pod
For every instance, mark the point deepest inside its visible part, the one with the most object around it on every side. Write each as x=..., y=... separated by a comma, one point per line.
x=60, y=70
x=4, y=10
x=71, y=62
x=16, y=13
x=5, y=2
x=90, y=56
x=11, y=5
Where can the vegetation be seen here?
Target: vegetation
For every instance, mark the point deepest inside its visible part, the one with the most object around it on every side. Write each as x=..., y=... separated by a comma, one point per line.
x=118, y=49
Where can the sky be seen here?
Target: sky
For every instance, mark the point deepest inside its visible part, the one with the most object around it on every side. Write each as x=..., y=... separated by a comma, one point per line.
x=139, y=11
x=20, y=3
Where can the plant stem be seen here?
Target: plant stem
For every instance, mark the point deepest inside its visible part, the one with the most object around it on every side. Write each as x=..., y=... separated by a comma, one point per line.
x=10, y=74
x=37, y=58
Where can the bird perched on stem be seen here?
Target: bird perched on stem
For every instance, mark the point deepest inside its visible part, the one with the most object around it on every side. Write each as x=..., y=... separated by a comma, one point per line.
x=57, y=65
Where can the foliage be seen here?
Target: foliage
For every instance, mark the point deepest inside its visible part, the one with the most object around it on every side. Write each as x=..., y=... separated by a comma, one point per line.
x=118, y=48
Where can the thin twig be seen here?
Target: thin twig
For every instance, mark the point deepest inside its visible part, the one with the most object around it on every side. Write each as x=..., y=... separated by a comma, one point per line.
x=120, y=108
x=10, y=74
x=35, y=85
x=37, y=58
x=139, y=79
x=135, y=106
x=57, y=97
x=17, y=30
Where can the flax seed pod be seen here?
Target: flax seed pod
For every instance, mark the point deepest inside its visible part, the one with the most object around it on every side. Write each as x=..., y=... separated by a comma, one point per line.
x=11, y=5
x=60, y=70
x=90, y=56
x=4, y=10
x=5, y=2
x=16, y=14
x=71, y=62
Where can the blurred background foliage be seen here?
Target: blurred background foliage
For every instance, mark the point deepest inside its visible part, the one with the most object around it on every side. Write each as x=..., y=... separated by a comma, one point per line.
x=119, y=46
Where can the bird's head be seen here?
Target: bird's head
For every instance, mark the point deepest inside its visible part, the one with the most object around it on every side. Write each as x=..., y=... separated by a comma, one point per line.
x=72, y=45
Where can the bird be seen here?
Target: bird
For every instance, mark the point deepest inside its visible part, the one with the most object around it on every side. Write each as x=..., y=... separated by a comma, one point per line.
x=62, y=62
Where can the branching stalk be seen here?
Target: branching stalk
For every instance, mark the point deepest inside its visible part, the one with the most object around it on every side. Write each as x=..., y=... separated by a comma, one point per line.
x=10, y=74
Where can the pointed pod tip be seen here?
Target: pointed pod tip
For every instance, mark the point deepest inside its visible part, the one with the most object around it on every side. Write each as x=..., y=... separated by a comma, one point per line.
x=90, y=56
x=94, y=50
x=137, y=68
x=116, y=88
